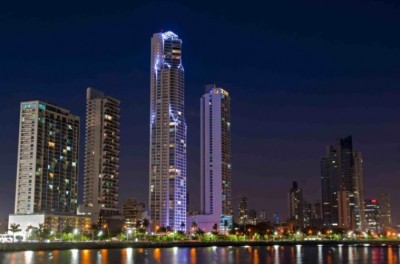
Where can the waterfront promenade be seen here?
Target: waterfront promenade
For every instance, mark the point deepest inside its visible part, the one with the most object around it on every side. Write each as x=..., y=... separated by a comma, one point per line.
x=38, y=246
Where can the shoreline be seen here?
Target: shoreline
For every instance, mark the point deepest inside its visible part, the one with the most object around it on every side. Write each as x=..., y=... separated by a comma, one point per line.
x=43, y=246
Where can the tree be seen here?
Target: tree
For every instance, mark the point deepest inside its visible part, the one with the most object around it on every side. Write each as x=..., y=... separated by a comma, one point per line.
x=146, y=223
x=138, y=224
x=14, y=228
x=29, y=230
x=67, y=232
x=226, y=225
x=199, y=232
x=215, y=228
x=183, y=225
x=194, y=226
x=43, y=232
x=94, y=228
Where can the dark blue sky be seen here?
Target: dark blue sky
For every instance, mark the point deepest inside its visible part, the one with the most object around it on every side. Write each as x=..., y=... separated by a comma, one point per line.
x=300, y=75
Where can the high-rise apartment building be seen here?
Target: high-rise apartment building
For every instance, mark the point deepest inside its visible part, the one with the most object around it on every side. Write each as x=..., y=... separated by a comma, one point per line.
x=358, y=191
x=243, y=209
x=100, y=195
x=296, y=204
x=341, y=170
x=47, y=170
x=215, y=161
x=167, y=168
x=215, y=158
x=307, y=214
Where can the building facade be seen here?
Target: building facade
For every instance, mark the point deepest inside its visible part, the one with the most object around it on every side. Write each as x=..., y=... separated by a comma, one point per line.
x=101, y=175
x=167, y=165
x=47, y=170
x=345, y=217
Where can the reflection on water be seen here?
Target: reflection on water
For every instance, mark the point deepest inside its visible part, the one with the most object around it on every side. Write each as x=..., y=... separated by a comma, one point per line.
x=246, y=254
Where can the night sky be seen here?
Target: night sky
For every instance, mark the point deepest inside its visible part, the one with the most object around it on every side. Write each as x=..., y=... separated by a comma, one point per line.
x=300, y=76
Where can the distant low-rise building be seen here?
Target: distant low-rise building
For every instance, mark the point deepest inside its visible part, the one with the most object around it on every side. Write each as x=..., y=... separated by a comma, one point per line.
x=133, y=211
x=372, y=215
x=56, y=223
x=262, y=216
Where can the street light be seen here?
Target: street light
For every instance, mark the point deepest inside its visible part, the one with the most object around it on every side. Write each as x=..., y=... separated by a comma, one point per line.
x=76, y=231
x=106, y=227
x=128, y=232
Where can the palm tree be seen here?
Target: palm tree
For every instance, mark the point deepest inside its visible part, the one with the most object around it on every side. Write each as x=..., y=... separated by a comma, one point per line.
x=183, y=225
x=215, y=228
x=28, y=230
x=146, y=223
x=138, y=224
x=226, y=225
x=14, y=228
x=43, y=232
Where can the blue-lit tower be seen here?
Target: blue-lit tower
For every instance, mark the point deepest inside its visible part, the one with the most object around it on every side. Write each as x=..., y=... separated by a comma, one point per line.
x=167, y=168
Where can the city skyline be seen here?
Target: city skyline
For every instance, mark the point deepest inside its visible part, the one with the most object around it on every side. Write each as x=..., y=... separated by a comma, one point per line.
x=295, y=118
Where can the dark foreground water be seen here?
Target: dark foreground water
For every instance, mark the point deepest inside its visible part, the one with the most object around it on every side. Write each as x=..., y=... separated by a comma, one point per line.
x=207, y=255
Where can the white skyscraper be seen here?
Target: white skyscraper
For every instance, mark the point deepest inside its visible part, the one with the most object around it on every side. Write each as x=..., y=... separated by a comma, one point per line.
x=215, y=163
x=47, y=170
x=100, y=195
x=167, y=166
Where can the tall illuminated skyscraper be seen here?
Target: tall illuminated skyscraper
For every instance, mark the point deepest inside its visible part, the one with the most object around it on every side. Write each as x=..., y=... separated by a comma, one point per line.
x=100, y=195
x=342, y=186
x=296, y=205
x=47, y=172
x=167, y=168
x=215, y=162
